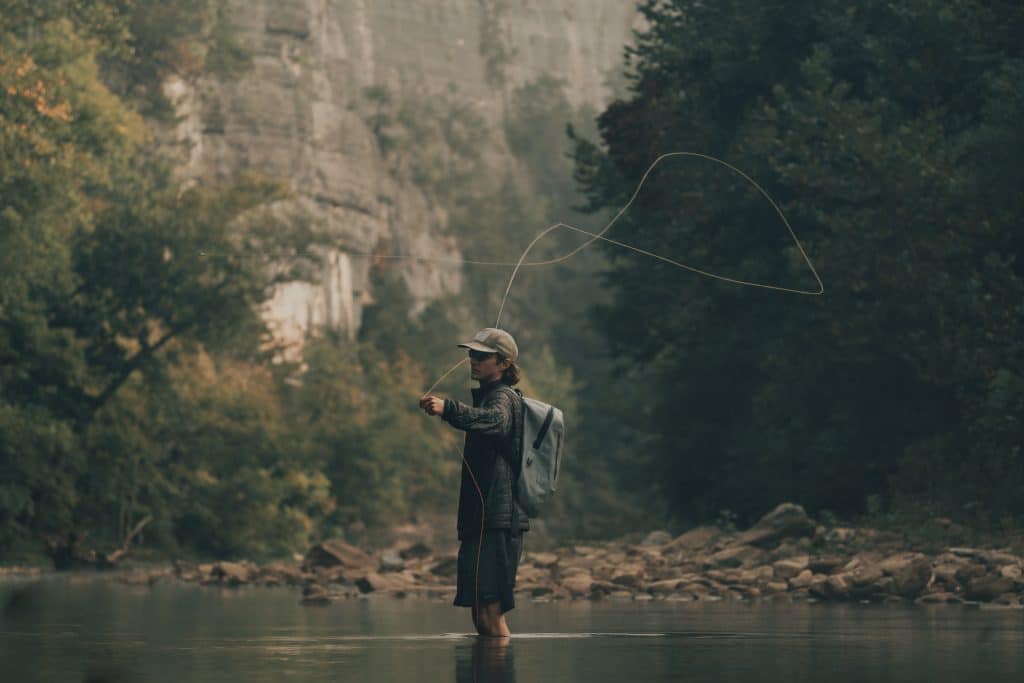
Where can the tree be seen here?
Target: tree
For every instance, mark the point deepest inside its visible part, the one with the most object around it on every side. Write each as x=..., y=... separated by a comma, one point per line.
x=875, y=126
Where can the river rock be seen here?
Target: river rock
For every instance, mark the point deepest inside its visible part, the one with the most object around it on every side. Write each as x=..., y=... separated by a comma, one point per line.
x=988, y=587
x=391, y=561
x=416, y=551
x=835, y=587
x=945, y=574
x=630, y=575
x=840, y=535
x=910, y=572
x=785, y=521
x=230, y=573
x=825, y=564
x=278, y=572
x=392, y=581
x=693, y=539
x=604, y=587
x=756, y=575
x=1012, y=572
x=790, y=567
x=656, y=538
x=543, y=559
x=802, y=580
x=334, y=552
x=664, y=587
x=737, y=556
x=578, y=584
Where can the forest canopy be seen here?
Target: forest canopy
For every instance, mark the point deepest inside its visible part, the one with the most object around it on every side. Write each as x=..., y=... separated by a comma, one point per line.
x=890, y=134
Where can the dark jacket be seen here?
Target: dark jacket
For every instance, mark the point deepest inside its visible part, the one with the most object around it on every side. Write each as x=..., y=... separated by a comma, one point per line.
x=493, y=426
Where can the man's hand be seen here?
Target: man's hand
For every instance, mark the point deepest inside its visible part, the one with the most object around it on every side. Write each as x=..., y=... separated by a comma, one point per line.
x=432, y=405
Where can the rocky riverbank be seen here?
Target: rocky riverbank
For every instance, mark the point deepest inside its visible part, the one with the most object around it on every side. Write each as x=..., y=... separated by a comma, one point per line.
x=785, y=556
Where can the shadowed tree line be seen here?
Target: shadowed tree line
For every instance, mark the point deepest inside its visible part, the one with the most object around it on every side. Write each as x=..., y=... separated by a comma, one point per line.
x=890, y=133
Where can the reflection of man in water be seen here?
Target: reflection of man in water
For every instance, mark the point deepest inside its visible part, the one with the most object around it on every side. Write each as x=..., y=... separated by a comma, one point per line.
x=487, y=660
x=493, y=426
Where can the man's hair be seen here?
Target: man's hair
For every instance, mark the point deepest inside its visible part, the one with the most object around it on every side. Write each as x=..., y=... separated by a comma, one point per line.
x=512, y=373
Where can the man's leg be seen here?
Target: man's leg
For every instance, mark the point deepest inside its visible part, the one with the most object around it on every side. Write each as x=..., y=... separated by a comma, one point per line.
x=476, y=622
x=492, y=621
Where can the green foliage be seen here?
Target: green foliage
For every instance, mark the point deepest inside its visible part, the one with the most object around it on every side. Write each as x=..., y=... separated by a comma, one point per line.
x=886, y=132
x=111, y=277
x=360, y=424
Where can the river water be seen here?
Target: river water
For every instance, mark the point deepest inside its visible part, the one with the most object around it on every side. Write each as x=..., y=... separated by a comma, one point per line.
x=78, y=629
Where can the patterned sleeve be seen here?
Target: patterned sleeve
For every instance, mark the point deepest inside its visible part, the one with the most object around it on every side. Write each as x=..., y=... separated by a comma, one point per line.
x=493, y=417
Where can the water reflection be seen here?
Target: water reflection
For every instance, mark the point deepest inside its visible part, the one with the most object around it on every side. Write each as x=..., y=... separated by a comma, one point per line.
x=485, y=660
x=76, y=631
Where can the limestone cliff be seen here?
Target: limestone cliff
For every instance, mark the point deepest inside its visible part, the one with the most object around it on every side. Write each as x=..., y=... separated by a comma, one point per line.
x=298, y=114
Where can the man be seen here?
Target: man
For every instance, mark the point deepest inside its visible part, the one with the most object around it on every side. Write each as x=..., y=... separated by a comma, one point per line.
x=490, y=521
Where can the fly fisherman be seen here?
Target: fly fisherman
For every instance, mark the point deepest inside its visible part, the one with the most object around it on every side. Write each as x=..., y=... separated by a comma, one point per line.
x=491, y=535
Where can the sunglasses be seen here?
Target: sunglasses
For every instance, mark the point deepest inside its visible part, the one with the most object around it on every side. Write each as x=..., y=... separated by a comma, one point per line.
x=480, y=355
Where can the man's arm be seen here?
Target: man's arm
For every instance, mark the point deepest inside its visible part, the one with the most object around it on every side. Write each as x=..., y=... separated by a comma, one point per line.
x=493, y=418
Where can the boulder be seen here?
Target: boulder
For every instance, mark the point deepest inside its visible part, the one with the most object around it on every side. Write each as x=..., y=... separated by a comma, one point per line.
x=656, y=538
x=280, y=572
x=756, y=575
x=391, y=561
x=835, y=587
x=989, y=587
x=604, y=587
x=578, y=584
x=802, y=580
x=629, y=575
x=1008, y=599
x=392, y=581
x=663, y=587
x=910, y=572
x=791, y=566
x=737, y=556
x=840, y=535
x=693, y=539
x=415, y=551
x=333, y=552
x=945, y=574
x=825, y=564
x=1012, y=572
x=231, y=573
x=543, y=559
x=787, y=520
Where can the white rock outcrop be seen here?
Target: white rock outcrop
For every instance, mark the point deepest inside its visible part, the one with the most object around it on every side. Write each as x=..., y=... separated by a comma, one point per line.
x=295, y=115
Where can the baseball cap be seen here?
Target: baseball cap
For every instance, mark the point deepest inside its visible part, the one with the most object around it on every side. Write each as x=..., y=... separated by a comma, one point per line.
x=493, y=340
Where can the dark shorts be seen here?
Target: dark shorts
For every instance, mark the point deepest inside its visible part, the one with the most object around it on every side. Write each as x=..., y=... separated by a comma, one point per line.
x=499, y=562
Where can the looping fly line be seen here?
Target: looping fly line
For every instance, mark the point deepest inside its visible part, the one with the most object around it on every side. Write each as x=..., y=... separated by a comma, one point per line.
x=593, y=237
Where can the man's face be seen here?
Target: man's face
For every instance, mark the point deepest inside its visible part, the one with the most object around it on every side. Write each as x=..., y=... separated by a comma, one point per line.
x=485, y=366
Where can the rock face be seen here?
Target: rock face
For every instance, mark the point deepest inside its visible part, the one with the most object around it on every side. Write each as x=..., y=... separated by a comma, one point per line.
x=296, y=115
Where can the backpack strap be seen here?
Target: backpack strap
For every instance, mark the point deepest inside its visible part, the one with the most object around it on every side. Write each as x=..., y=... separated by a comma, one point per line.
x=519, y=455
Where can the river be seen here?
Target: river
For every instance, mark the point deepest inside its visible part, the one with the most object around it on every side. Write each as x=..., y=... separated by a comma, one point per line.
x=76, y=628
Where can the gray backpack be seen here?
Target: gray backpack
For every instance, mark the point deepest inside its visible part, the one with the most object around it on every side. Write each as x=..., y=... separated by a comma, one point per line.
x=543, y=428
